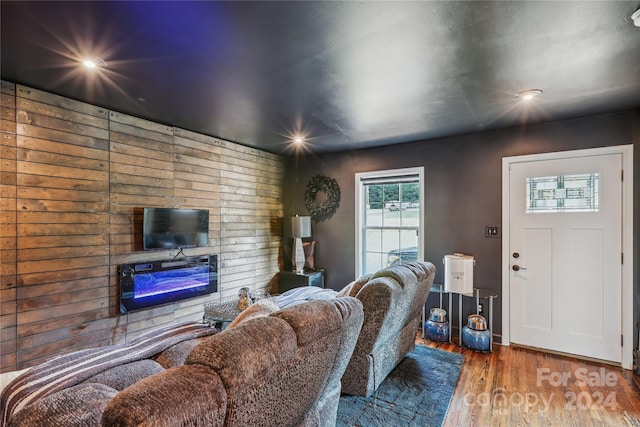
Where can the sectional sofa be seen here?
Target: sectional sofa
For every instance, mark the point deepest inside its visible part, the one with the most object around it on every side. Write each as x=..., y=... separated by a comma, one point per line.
x=279, y=364
x=283, y=369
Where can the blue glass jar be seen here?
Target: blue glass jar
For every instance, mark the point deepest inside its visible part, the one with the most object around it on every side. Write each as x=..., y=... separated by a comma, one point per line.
x=437, y=327
x=475, y=335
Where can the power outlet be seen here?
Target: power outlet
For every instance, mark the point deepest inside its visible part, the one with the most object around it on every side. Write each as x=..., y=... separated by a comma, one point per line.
x=480, y=308
x=492, y=231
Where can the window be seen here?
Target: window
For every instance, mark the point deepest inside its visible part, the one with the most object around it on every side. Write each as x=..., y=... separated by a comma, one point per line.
x=389, y=218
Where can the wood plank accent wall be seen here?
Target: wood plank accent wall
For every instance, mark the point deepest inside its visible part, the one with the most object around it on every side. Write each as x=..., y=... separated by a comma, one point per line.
x=73, y=183
x=62, y=224
x=8, y=180
x=250, y=185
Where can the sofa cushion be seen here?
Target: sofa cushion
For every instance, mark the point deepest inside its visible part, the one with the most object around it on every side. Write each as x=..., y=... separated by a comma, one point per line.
x=311, y=321
x=177, y=354
x=261, y=308
x=352, y=289
x=121, y=377
x=422, y=270
x=179, y=396
x=400, y=273
x=250, y=349
x=80, y=406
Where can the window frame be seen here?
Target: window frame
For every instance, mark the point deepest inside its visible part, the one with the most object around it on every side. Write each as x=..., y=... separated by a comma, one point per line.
x=360, y=205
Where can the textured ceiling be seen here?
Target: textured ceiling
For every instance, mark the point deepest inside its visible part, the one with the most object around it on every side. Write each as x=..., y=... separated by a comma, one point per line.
x=346, y=74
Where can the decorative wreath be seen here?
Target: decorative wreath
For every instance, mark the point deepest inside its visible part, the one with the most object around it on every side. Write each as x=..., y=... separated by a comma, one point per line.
x=322, y=196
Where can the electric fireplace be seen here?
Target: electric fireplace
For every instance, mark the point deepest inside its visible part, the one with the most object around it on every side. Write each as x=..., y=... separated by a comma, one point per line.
x=151, y=283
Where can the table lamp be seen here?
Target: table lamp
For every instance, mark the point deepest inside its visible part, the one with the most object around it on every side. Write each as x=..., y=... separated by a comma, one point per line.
x=299, y=227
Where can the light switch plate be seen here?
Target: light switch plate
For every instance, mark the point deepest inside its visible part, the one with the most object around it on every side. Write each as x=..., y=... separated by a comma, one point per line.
x=492, y=231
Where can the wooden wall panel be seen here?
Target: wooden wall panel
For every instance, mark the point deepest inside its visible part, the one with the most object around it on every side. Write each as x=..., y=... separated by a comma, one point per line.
x=141, y=175
x=8, y=260
x=197, y=186
x=74, y=179
x=251, y=182
x=62, y=164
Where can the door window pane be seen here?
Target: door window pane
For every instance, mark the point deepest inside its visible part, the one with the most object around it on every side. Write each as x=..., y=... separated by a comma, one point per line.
x=563, y=193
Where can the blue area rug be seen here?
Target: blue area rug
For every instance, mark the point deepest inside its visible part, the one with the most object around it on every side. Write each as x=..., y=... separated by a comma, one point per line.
x=416, y=393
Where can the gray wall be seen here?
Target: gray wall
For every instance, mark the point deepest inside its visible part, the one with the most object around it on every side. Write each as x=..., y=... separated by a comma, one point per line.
x=463, y=185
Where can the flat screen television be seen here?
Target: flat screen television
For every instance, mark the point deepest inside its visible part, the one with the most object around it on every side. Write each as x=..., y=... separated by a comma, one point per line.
x=171, y=228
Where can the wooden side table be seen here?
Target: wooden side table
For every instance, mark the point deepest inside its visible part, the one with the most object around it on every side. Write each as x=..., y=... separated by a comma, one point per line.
x=291, y=279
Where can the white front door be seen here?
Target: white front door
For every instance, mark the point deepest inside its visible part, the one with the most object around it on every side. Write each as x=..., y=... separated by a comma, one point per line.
x=565, y=248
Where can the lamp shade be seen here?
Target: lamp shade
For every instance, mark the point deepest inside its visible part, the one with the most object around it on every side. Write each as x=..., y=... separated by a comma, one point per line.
x=299, y=226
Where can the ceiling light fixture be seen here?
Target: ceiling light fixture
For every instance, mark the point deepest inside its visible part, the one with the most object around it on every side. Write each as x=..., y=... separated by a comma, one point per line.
x=93, y=63
x=529, y=94
x=635, y=17
x=298, y=139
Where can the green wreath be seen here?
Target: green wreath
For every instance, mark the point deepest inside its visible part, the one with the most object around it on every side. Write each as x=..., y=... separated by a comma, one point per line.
x=322, y=196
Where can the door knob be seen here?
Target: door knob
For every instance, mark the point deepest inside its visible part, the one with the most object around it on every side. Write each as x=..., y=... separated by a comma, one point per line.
x=517, y=268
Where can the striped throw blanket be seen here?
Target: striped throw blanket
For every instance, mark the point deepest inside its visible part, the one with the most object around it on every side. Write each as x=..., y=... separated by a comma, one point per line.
x=303, y=294
x=71, y=369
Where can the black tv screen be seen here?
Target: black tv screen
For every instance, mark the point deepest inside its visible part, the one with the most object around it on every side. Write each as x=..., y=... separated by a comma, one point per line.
x=170, y=228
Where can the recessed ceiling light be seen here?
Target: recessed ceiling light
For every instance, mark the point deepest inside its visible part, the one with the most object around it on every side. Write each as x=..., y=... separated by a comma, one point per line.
x=635, y=17
x=529, y=94
x=92, y=63
x=298, y=139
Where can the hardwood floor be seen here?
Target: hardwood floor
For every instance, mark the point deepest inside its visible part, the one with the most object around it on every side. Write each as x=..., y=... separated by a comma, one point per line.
x=521, y=387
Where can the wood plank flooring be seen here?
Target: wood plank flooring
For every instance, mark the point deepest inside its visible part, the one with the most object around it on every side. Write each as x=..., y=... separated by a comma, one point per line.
x=521, y=387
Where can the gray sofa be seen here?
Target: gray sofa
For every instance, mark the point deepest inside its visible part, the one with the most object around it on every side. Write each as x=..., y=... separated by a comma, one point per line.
x=282, y=369
x=392, y=299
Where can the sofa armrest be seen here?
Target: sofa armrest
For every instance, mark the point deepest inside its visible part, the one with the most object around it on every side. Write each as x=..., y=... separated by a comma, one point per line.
x=378, y=299
x=392, y=298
